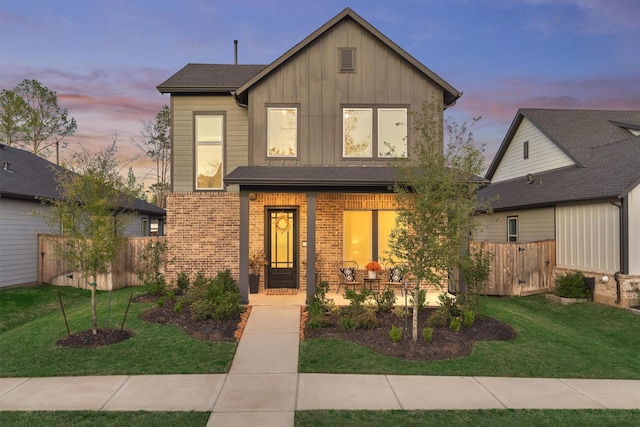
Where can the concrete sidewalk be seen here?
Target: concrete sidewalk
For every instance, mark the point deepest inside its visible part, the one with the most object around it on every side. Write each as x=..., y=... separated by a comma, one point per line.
x=264, y=388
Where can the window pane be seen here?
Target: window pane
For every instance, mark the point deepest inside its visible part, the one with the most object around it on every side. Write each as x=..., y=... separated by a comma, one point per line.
x=209, y=128
x=386, y=223
x=209, y=167
x=282, y=139
x=357, y=237
x=392, y=132
x=512, y=229
x=357, y=128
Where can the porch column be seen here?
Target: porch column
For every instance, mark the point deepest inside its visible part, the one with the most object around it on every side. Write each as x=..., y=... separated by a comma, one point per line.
x=311, y=245
x=244, y=247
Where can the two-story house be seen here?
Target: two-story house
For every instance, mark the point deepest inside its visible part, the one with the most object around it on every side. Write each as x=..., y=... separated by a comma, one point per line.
x=292, y=158
x=572, y=176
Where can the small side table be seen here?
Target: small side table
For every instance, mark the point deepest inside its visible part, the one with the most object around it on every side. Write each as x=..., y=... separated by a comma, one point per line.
x=368, y=283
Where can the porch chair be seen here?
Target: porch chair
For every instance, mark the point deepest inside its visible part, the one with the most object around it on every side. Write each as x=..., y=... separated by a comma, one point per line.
x=394, y=277
x=348, y=275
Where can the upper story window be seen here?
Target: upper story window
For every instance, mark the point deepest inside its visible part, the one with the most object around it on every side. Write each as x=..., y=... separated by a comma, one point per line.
x=525, y=150
x=209, y=168
x=389, y=140
x=282, y=135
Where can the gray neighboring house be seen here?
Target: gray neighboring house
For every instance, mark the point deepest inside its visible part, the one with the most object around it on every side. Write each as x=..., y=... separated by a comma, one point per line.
x=572, y=176
x=24, y=179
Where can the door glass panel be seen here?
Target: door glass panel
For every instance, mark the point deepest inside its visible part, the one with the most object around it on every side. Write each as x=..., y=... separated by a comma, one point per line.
x=282, y=234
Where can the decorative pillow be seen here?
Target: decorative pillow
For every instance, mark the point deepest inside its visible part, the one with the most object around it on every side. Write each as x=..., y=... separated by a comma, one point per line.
x=395, y=275
x=349, y=274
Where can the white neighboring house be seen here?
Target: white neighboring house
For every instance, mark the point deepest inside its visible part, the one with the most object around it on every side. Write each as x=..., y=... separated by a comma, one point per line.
x=572, y=176
x=25, y=178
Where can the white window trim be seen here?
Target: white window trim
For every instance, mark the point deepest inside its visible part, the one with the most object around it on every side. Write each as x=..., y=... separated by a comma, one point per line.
x=509, y=236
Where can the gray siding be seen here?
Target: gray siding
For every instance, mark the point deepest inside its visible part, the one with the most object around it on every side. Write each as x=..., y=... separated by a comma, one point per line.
x=544, y=155
x=588, y=237
x=235, y=136
x=311, y=80
x=533, y=225
x=634, y=231
x=19, y=229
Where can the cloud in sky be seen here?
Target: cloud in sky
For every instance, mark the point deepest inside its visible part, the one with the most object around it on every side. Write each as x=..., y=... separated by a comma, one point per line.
x=105, y=58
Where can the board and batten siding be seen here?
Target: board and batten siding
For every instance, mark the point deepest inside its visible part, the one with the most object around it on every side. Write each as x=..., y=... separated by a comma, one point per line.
x=19, y=229
x=533, y=225
x=235, y=135
x=634, y=231
x=311, y=81
x=544, y=155
x=588, y=237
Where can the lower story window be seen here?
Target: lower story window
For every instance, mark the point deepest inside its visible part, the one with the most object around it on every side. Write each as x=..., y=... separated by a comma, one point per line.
x=366, y=235
x=512, y=229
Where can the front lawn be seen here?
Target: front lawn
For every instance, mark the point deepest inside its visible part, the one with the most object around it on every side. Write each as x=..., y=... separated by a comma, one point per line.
x=585, y=340
x=34, y=323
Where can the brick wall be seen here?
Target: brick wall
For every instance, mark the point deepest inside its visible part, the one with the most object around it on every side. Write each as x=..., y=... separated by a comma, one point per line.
x=203, y=230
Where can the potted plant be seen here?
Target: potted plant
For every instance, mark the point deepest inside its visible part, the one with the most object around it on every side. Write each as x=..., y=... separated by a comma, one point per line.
x=257, y=261
x=373, y=267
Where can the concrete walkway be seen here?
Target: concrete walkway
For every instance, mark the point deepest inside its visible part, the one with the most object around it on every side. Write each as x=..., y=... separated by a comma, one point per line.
x=264, y=388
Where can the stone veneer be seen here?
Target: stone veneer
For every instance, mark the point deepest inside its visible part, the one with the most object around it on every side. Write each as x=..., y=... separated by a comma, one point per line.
x=605, y=290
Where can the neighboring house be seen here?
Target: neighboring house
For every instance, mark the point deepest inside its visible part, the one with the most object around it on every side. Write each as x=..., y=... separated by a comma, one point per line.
x=572, y=176
x=25, y=179
x=292, y=158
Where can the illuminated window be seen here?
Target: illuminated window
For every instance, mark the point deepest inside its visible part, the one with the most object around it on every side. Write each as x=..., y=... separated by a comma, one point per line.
x=209, y=159
x=359, y=139
x=366, y=235
x=282, y=133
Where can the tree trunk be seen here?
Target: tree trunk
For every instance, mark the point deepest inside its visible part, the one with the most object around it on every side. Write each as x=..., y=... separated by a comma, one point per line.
x=416, y=293
x=94, y=314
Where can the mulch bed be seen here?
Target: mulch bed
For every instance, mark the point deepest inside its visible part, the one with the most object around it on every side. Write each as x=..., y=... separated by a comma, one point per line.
x=86, y=339
x=446, y=344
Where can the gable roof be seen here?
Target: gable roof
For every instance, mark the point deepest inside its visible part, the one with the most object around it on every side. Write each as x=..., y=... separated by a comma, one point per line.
x=31, y=177
x=607, y=158
x=450, y=93
x=209, y=78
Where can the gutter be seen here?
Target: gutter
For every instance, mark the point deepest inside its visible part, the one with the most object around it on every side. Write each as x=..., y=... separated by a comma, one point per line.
x=453, y=101
x=237, y=99
x=624, y=244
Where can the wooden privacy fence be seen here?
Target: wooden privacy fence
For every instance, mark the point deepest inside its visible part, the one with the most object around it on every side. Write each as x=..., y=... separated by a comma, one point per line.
x=124, y=271
x=519, y=269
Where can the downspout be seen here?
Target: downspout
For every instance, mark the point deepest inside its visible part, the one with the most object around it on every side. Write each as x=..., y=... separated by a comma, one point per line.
x=237, y=99
x=623, y=247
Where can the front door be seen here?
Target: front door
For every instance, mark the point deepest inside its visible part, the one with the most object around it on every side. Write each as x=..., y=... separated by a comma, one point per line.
x=282, y=239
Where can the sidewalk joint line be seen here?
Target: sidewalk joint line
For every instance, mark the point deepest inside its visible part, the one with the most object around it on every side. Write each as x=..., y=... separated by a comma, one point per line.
x=489, y=391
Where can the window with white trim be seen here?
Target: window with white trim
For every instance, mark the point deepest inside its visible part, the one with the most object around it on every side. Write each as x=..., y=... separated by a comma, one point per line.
x=282, y=136
x=512, y=229
x=359, y=139
x=209, y=151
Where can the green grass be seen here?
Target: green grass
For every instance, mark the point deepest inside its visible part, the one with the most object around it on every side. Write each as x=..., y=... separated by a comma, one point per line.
x=28, y=346
x=479, y=418
x=103, y=419
x=585, y=340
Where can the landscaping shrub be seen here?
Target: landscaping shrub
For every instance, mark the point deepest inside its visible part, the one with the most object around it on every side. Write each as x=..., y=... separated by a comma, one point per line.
x=358, y=315
x=475, y=269
x=571, y=285
x=400, y=312
x=319, y=307
x=455, y=324
x=395, y=334
x=385, y=299
x=445, y=310
x=183, y=281
x=469, y=317
x=217, y=298
x=154, y=257
x=427, y=334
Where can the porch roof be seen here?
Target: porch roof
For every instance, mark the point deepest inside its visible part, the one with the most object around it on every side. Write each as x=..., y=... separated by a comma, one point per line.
x=312, y=176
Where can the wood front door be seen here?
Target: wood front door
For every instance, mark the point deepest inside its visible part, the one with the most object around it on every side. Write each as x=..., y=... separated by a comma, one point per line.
x=282, y=243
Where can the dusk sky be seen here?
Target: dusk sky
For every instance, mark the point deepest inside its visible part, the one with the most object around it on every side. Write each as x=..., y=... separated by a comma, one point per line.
x=105, y=58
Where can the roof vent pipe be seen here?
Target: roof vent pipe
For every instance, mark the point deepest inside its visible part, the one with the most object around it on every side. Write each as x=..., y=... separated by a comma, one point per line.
x=235, y=52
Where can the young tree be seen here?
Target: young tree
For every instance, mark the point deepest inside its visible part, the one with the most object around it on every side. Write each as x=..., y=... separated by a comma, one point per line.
x=32, y=118
x=93, y=213
x=436, y=201
x=156, y=144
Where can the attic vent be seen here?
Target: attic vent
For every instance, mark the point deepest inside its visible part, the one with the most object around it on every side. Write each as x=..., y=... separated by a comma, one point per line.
x=347, y=59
